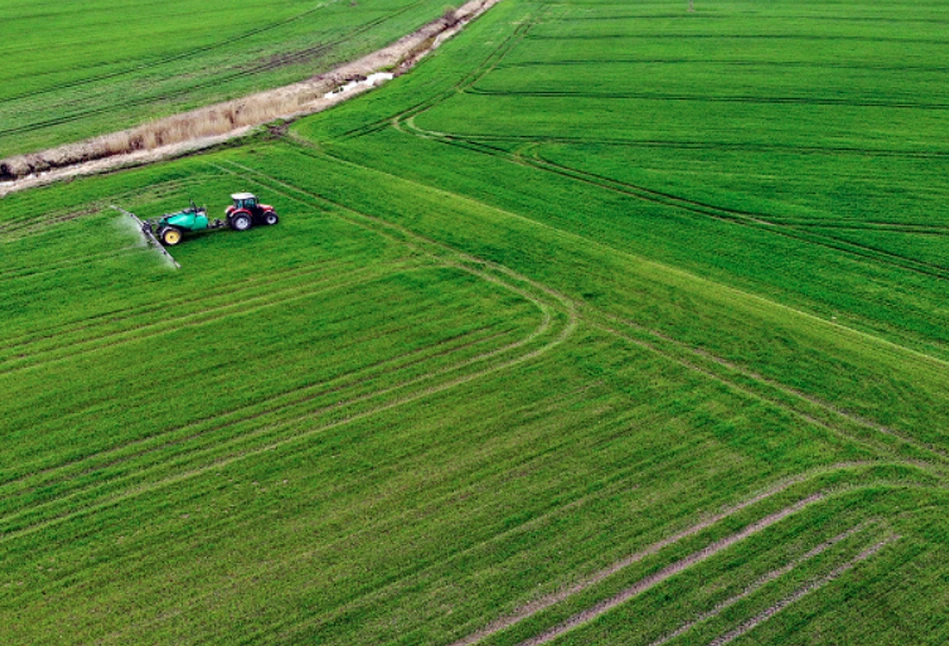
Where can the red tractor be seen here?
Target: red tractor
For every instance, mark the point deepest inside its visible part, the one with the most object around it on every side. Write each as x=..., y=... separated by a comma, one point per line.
x=246, y=212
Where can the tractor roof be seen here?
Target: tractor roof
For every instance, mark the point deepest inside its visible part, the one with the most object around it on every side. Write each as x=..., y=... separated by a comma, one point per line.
x=243, y=196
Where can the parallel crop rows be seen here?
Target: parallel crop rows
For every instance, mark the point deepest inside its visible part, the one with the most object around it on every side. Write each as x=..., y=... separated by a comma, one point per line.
x=519, y=366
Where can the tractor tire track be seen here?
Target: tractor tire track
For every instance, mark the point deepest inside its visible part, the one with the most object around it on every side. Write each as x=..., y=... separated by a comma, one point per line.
x=730, y=146
x=799, y=594
x=501, y=283
x=191, y=319
x=668, y=572
x=269, y=567
x=211, y=459
x=867, y=225
x=585, y=617
x=539, y=605
x=836, y=413
x=202, y=436
x=731, y=62
x=148, y=309
x=760, y=221
x=543, y=295
x=696, y=98
x=939, y=458
x=283, y=401
x=756, y=585
x=756, y=220
x=543, y=302
x=737, y=217
x=740, y=37
x=491, y=61
x=20, y=273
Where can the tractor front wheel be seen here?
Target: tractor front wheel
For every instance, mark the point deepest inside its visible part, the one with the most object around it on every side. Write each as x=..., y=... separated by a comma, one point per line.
x=241, y=222
x=169, y=236
x=270, y=218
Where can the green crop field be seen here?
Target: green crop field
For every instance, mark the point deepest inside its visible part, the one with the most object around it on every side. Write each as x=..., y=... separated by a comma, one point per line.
x=610, y=323
x=74, y=69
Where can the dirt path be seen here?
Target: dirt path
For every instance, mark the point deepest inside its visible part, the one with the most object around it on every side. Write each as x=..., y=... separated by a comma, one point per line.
x=181, y=134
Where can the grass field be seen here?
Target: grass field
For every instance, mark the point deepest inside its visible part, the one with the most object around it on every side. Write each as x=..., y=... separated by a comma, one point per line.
x=608, y=324
x=77, y=69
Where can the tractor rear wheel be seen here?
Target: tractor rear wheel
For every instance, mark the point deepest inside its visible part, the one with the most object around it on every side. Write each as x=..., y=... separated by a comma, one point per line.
x=270, y=218
x=241, y=222
x=169, y=236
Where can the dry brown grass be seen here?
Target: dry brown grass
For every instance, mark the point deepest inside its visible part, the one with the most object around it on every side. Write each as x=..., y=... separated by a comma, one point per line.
x=204, y=122
x=236, y=116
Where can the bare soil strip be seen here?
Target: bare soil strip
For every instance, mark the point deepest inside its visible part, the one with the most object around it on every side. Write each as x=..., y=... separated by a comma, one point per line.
x=605, y=606
x=767, y=578
x=205, y=127
x=800, y=593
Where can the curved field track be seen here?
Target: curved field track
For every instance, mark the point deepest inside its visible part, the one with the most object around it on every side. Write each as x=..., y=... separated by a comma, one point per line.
x=539, y=353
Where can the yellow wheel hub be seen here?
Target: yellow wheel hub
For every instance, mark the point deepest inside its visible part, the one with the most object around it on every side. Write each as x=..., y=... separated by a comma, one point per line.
x=172, y=237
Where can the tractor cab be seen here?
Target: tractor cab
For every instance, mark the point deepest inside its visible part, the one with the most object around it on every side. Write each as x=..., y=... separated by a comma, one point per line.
x=246, y=211
x=245, y=201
